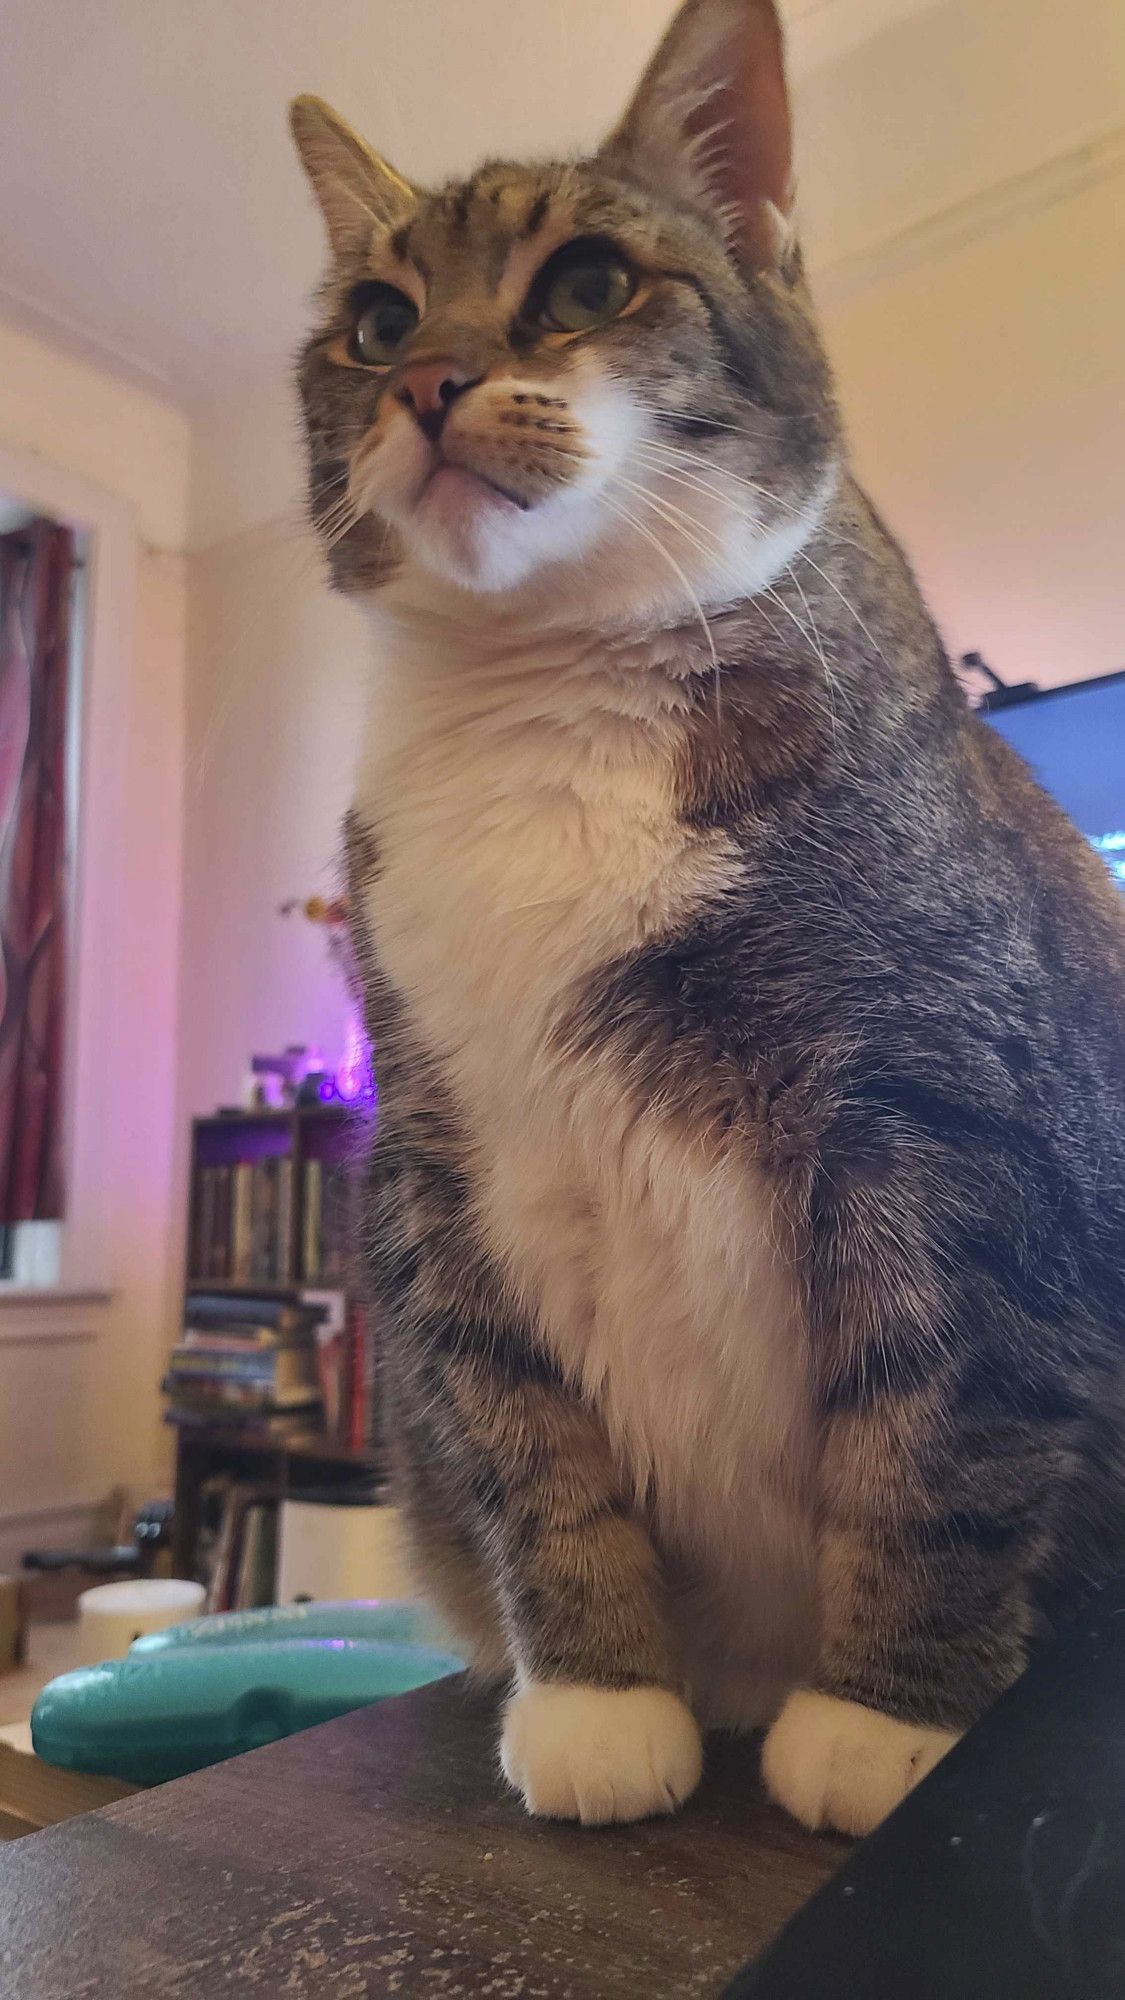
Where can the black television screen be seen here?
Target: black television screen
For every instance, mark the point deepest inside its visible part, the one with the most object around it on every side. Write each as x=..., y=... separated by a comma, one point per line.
x=1074, y=739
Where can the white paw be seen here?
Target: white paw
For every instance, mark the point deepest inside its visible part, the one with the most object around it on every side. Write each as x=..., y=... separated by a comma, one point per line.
x=835, y=1763
x=599, y=1754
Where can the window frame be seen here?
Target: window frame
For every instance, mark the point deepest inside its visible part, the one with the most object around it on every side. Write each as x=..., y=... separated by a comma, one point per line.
x=107, y=526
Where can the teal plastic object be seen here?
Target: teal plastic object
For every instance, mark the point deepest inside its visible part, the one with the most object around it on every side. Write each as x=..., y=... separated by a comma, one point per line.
x=158, y=1715
x=387, y=1621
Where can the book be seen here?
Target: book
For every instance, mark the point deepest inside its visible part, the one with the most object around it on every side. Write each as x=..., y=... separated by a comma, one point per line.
x=280, y=1369
x=335, y=1226
x=204, y=1221
x=255, y=1365
x=360, y=1414
x=219, y=1265
x=331, y=1364
x=231, y=1397
x=274, y=1427
x=254, y=1584
x=313, y=1190
x=223, y=1558
x=243, y=1341
x=290, y=1315
x=241, y=1236
x=210, y=1505
x=263, y=1215
x=243, y=1222
x=245, y=1556
x=283, y=1247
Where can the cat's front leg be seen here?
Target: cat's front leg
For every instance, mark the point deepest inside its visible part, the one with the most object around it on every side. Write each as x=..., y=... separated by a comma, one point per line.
x=596, y=1728
x=922, y=1622
x=522, y=1530
x=924, y=1608
x=941, y=1458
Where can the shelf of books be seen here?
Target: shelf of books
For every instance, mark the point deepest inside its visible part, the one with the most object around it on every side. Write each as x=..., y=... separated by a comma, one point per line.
x=272, y=1385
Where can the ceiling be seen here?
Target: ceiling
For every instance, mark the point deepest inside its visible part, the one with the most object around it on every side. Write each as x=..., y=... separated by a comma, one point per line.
x=153, y=216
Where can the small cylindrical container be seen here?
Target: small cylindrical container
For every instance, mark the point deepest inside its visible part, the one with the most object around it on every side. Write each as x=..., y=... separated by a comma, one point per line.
x=112, y=1615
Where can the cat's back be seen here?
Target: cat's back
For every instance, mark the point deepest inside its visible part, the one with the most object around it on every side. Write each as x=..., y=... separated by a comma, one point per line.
x=1089, y=913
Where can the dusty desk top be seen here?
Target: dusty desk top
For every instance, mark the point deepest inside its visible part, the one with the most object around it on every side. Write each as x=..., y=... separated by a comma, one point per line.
x=378, y=1854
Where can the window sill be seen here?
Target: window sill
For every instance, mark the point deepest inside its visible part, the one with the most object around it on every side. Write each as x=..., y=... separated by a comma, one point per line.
x=51, y=1312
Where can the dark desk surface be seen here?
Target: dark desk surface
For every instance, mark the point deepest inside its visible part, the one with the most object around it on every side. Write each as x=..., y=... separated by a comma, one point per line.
x=379, y=1855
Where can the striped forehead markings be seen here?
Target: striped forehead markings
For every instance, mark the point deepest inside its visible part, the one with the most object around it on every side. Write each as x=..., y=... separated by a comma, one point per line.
x=537, y=213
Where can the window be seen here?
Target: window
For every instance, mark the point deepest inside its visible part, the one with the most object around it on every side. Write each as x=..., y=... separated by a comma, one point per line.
x=41, y=602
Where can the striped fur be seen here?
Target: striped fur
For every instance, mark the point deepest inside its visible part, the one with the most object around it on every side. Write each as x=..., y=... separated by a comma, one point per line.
x=748, y=1201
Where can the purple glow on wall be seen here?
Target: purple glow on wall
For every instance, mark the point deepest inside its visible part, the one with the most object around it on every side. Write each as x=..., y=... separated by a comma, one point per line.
x=355, y=1078
x=354, y=1081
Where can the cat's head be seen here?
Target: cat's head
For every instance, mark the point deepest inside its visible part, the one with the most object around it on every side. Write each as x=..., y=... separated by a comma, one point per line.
x=559, y=378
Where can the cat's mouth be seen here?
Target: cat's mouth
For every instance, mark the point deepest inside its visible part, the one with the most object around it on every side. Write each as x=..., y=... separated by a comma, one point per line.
x=487, y=500
x=452, y=488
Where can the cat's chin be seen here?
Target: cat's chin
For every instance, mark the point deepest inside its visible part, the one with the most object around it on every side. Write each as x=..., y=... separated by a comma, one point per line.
x=465, y=531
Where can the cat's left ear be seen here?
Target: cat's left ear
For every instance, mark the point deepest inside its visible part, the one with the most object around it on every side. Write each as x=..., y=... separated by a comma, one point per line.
x=710, y=123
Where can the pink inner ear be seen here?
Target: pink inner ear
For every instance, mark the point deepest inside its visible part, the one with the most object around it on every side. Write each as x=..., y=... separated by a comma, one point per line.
x=750, y=154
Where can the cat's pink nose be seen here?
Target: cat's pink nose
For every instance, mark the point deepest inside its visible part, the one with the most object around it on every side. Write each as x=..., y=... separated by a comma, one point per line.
x=429, y=388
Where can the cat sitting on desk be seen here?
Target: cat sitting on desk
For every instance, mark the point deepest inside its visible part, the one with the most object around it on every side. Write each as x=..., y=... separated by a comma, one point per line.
x=748, y=1204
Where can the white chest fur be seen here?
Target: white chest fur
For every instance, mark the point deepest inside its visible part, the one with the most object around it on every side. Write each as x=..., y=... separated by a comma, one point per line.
x=528, y=837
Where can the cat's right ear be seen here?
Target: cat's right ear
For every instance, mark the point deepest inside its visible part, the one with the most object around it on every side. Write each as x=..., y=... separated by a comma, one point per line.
x=357, y=191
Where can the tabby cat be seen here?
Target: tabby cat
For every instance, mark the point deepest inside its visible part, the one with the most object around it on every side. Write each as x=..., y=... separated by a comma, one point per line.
x=748, y=1201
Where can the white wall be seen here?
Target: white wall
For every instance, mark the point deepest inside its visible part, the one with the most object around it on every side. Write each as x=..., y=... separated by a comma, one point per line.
x=88, y=421
x=984, y=396
x=962, y=188
x=956, y=100
x=81, y=1369
x=275, y=703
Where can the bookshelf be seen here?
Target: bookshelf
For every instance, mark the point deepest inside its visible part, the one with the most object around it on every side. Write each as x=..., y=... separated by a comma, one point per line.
x=296, y=1465
x=300, y=1145
x=270, y=1196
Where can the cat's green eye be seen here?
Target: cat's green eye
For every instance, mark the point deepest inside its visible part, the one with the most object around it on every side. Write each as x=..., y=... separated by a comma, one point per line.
x=385, y=317
x=585, y=284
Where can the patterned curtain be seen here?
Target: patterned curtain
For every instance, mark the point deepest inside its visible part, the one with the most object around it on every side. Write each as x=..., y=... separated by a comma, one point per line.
x=36, y=588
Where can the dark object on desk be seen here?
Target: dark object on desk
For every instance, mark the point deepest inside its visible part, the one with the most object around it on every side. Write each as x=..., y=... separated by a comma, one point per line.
x=152, y=1533
x=379, y=1854
x=1003, y=1876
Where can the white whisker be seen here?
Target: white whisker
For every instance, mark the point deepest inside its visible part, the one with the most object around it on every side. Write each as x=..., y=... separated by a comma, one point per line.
x=696, y=461
x=829, y=681
x=774, y=598
x=691, y=481
x=686, y=524
x=847, y=604
x=745, y=430
x=693, y=460
x=638, y=527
